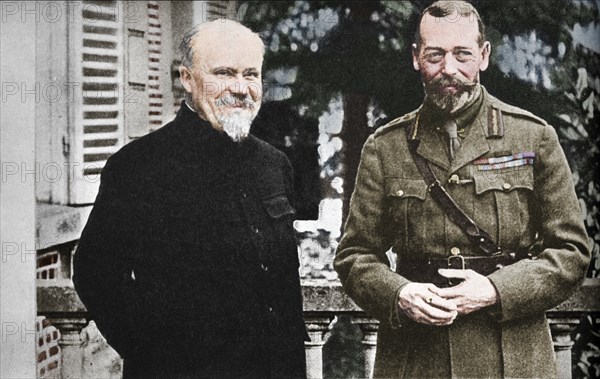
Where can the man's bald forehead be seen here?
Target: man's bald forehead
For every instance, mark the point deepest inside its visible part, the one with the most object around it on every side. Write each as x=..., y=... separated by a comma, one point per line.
x=223, y=30
x=223, y=33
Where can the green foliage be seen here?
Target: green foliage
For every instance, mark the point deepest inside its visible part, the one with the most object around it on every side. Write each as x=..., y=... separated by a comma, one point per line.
x=340, y=47
x=350, y=47
x=578, y=128
x=550, y=19
x=586, y=350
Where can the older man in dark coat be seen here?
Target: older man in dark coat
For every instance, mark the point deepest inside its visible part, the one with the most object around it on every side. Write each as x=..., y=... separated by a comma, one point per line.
x=188, y=263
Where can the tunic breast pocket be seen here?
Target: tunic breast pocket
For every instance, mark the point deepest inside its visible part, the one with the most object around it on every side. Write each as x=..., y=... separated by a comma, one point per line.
x=402, y=194
x=405, y=200
x=502, y=205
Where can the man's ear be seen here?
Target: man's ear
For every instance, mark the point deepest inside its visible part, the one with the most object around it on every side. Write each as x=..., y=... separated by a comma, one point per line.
x=415, y=57
x=485, y=56
x=185, y=76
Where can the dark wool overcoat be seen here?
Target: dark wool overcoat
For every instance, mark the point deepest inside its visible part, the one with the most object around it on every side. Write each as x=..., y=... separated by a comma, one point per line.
x=188, y=263
x=511, y=177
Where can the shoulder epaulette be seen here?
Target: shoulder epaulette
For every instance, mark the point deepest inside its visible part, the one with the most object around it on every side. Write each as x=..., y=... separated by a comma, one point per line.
x=511, y=109
x=397, y=122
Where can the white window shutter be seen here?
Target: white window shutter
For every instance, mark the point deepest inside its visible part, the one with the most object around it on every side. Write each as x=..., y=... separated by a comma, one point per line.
x=116, y=64
x=96, y=125
x=155, y=57
x=136, y=73
x=221, y=9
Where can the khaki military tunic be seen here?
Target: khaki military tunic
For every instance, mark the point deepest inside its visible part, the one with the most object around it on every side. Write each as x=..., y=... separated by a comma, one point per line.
x=511, y=177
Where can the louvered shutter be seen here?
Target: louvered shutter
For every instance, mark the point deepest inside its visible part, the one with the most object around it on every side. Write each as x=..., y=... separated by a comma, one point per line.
x=136, y=62
x=96, y=112
x=155, y=106
x=221, y=9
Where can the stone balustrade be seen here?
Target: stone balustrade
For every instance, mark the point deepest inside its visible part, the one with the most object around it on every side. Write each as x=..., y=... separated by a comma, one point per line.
x=323, y=302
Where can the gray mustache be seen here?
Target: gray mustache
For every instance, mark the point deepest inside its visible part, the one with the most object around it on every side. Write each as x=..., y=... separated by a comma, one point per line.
x=444, y=81
x=229, y=100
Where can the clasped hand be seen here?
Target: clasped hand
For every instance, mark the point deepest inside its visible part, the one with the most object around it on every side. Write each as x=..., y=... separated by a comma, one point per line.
x=429, y=304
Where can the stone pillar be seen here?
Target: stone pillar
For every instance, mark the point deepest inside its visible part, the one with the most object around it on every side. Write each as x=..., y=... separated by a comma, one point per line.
x=317, y=327
x=70, y=344
x=368, y=327
x=562, y=327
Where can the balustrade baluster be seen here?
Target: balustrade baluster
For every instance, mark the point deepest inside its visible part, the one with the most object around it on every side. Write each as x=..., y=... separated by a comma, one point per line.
x=368, y=326
x=317, y=327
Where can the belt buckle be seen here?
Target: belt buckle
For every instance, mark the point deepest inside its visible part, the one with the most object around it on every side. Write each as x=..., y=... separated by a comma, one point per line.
x=460, y=258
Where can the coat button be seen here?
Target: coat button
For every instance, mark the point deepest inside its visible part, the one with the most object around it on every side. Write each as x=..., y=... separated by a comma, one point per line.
x=270, y=309
x=400, y=193
x=244, y=195
x=264, y=267
x=254, y=229
x=454, y=179
x=506, y=186
x=455, y=251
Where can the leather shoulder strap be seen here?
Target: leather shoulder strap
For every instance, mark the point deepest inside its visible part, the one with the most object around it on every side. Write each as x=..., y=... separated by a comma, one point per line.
x=474, y=233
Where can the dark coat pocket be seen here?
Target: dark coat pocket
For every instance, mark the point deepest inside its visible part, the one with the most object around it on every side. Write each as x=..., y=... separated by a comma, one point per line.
x=278, y=206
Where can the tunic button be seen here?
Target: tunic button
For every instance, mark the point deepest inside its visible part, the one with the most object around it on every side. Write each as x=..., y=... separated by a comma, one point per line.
x=399, y=193
x=454, y=179
x=455, y=251
x=506, y=186
x=270, y=309
x=254, y=229
x=244, y=195
x=264, y=268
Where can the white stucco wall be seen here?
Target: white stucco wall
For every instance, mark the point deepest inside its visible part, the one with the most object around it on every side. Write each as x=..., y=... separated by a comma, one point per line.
x=17, y=190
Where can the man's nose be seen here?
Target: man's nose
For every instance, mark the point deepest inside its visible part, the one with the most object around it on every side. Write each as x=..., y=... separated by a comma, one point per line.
x=238, y=85
x=450, y=64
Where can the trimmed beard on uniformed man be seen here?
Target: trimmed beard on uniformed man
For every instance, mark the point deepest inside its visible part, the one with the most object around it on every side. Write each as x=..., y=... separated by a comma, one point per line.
x=451, y=103
x=236, y=125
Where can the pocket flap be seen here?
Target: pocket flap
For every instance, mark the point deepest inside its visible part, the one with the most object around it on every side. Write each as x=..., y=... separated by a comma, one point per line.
x=402, y=187
x=278, y=206
x=504, y=181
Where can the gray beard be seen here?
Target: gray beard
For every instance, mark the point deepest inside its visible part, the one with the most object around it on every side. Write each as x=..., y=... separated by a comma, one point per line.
x=452, y=104
x=236, y=126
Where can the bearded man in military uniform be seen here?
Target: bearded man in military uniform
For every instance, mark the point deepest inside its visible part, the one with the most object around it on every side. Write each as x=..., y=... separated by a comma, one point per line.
x=449, y=309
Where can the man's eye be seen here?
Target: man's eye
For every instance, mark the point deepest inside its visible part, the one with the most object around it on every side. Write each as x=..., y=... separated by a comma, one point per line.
x=434, y=57
x=222, y=73
x=463, y=55
x=251, y=75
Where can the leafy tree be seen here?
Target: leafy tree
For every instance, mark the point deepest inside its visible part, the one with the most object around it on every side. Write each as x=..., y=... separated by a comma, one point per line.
x=360, y=51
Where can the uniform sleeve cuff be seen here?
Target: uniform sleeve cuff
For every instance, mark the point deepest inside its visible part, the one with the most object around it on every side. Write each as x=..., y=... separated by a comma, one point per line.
x=397, y=316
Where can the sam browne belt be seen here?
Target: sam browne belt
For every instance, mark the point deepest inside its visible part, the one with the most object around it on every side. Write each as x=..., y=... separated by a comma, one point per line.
x=425, y=269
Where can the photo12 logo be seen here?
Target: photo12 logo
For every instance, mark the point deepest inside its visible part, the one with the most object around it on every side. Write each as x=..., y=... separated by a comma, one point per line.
x=57, y=11
x=50, y=172
x=67, y=92
x=18, y=332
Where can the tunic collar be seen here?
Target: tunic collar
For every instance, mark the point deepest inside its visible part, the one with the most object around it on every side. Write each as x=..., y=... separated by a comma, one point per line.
x=464, y=118
x=433, y=147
